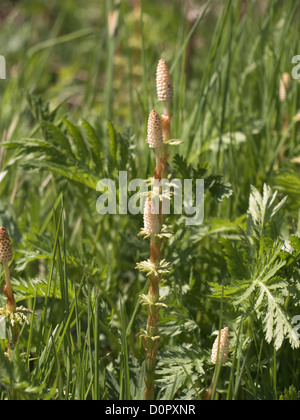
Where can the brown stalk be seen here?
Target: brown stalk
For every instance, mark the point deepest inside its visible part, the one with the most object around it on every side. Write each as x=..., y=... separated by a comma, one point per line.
x=158, y=135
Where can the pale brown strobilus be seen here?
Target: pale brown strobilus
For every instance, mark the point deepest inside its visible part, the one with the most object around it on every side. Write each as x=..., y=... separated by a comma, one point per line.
x=5, y=258
x=219, y=355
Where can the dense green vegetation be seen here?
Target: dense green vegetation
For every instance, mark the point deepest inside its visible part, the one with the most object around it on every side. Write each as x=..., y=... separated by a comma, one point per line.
x=73, y=110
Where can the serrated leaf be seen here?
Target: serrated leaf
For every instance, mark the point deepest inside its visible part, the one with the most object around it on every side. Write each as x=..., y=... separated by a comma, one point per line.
x=94, y=141
x=56, y=134
x=80, y=149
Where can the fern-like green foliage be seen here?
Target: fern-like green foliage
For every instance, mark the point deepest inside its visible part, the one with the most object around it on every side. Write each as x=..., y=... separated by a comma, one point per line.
x=37, y=287
x=78, y=153
x=217, y=187
x=263, y=270
x=179, y=369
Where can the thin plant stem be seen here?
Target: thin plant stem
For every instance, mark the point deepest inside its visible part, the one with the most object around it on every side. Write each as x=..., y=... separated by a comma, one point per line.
x=158, y=136
x=11, y=303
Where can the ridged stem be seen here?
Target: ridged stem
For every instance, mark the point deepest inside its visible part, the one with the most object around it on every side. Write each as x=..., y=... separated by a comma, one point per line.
x=166, y=129
x=151, y=342
x=209, y=391
x=158, y=169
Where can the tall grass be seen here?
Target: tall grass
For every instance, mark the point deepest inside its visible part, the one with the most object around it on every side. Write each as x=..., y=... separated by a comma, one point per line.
x=73, y=111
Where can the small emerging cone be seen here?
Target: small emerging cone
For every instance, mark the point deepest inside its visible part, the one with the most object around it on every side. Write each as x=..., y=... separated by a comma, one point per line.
x=154, y=132
x=151, y=221
x=164, y=85
x=5, y=246
x=223, y=349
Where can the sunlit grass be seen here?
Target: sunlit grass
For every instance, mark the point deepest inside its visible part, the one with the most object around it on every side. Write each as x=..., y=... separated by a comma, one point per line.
x=73, y=109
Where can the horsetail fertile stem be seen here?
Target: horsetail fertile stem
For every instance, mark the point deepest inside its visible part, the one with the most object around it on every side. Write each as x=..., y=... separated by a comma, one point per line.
x=152, y=227
x=158, y=132
x=151, y=340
